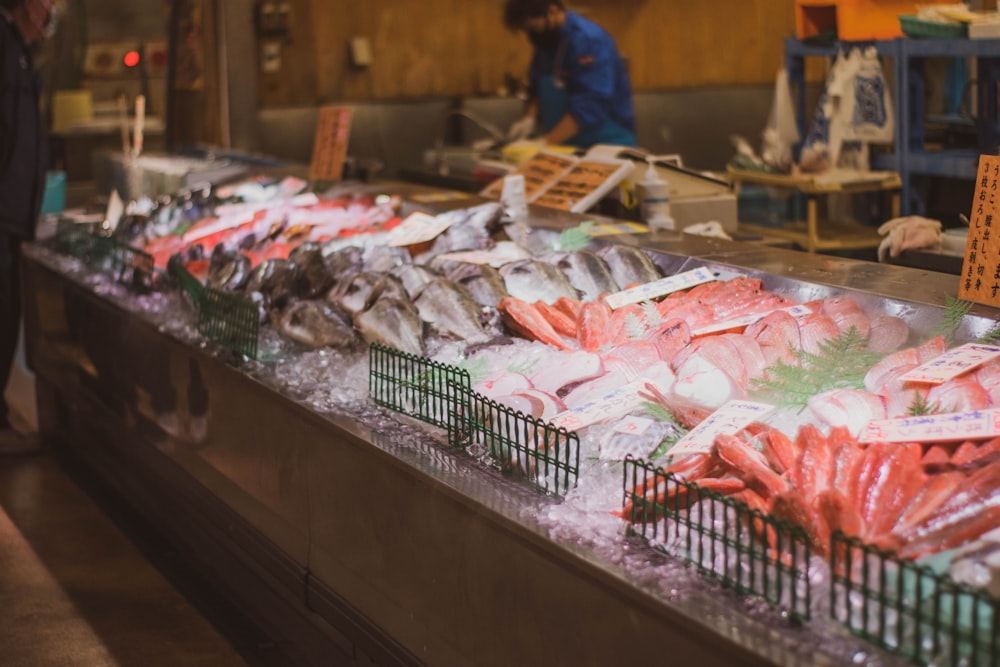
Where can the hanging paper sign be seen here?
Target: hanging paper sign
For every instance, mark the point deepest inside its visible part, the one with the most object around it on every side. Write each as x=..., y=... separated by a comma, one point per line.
x=952, y=363
x=659, y=288
x=980, y=279
x=333, y=131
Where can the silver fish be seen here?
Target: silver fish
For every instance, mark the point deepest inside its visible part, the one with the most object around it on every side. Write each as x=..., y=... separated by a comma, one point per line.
x=315, y=324
x=531, y=280
x=274, y=280
x=483, y=282
x=414, y=277
x=450, y=310
x=358, y=292
x=392, y=322
x=629, y=265
x=228, y=271
x=313, y=277
x=382, y=258
x=586, y=272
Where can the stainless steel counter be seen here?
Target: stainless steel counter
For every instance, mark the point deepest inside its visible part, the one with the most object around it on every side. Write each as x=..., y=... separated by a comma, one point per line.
x=357, y=535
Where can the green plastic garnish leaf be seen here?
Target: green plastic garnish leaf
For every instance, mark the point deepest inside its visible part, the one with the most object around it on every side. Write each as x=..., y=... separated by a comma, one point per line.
x=839, y=363
x=955, y=311
x=575, y=238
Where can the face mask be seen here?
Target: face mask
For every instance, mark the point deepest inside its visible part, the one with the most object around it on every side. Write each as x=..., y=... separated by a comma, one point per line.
x=547, y=39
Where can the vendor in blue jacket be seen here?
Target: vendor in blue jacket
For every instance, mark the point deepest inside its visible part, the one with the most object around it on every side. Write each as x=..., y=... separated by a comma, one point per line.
x=579, y=90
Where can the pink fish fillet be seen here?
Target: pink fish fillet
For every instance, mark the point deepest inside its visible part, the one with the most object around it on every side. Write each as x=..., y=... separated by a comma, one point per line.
x=503, y=384
x=890, y=368
x=887, y=333
x=594, y=326
x=904, y=477
x=566, y=368
x=636, y=355
x=753, y=357
x=961, y=394
x=847, y=313
x=815, y=330
x=670, y=338
x=851, y=408
x=777, y=334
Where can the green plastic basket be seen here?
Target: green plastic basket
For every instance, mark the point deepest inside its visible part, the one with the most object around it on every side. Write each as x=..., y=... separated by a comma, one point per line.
x=129, y=266
x=911, y=610
x=724, y=539
x=916, y=27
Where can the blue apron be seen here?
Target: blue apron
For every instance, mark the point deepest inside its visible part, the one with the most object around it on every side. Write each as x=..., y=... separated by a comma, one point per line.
x=553, y=104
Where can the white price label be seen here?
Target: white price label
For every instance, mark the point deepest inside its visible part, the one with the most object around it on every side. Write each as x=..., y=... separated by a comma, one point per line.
x=659, y=288
x=419, y=228
x=934, y=428
x=619, y=402
x=953, y=363
x=731, y=418
x=747, y=320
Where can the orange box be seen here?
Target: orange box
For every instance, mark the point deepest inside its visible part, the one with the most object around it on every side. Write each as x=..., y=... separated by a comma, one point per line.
x=854, y=20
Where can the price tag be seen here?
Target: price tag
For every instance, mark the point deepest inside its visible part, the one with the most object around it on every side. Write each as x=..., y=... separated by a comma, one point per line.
x=333, y=131
x=731, y=418
x=619, y=402
x=502, y=253
x=540, y=171
x=980, y=279
x=953, y=363
x=745, y=321
x=934, y=428
x=633, y=425
x=514, y=198
x=659, y=288
x=420, y=227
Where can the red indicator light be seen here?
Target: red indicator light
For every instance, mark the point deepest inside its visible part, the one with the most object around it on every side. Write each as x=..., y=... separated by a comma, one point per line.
x=131, y=59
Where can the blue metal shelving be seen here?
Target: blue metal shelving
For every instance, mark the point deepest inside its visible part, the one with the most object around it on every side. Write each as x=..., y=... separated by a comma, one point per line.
x=910, y=157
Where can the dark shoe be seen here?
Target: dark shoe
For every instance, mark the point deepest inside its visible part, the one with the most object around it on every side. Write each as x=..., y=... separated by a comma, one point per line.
x=13, y=443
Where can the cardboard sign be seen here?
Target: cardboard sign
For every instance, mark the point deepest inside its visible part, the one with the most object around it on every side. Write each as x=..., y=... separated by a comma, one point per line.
x=333, y=131
x=980, y=279
x=540, y=171
x=584, y=184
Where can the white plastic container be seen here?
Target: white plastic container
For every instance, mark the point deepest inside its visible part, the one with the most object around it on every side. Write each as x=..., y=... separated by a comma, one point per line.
x=654, y=199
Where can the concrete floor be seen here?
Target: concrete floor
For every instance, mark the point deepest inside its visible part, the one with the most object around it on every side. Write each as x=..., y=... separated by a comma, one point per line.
x=84, y=582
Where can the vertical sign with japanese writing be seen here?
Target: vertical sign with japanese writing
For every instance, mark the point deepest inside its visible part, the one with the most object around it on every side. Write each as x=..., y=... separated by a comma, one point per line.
x=333, y=131
x=980, y=279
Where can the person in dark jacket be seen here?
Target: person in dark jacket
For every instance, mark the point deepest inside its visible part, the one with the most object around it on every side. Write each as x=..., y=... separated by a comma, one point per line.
x=23, y=162
x=580, y=90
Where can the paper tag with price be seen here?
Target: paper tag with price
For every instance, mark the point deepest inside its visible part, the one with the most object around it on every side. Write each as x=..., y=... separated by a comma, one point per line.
x=731, y=418
x=935, y=428
x=953, y=363
x=659, y=288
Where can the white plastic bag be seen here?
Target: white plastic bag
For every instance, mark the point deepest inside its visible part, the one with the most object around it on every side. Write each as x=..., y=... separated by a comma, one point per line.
x=866, y=111
x=782, y=131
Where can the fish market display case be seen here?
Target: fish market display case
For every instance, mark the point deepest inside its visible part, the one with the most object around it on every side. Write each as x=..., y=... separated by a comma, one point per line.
x=356, y=534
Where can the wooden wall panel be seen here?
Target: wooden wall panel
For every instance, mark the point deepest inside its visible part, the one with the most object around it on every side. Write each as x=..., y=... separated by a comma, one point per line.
x=440, y=48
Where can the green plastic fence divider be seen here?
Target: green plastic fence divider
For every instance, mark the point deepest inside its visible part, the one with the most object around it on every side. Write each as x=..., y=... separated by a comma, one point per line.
x=419, y=387
x=911, y=610
x=230, y=320
x=129, y=266
x=227, y=319
x=441, y=395
x=744, y=549
x=520, y=444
